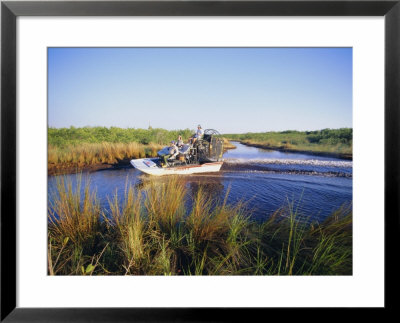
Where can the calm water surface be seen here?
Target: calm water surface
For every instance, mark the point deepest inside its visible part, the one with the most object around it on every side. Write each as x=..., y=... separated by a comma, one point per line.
x=266, y=180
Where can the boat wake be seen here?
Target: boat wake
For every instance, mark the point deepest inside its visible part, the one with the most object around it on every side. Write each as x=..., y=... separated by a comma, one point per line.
x=306, y=162
x=289, y=166
x=292, y=172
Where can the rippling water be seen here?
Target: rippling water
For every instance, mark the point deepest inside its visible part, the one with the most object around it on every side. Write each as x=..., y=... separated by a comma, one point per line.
x=266, y=180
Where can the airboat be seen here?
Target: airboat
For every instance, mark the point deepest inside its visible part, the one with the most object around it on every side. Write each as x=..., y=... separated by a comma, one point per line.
x=204, y=156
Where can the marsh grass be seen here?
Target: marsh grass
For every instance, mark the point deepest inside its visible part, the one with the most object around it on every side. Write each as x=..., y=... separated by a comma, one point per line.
x=89, y=154
x=73, y=226
x=338, y=148
x=153, y=230
x=228, y=144
x=332, y=141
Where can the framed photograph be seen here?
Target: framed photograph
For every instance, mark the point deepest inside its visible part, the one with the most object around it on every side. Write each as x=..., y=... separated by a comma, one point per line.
x=161, y=159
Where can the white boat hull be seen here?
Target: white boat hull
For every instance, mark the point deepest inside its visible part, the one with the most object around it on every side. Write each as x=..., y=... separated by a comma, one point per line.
x=148, y=166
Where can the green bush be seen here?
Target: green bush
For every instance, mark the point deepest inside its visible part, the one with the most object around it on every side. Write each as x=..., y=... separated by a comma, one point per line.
x=325, y=140
x=62, y=137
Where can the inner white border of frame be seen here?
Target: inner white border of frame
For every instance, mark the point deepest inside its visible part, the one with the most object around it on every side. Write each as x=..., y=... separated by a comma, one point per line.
x=363, y=288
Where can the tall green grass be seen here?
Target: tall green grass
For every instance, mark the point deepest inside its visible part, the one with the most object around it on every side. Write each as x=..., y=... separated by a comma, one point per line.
x=160, y=229
x=73, y=227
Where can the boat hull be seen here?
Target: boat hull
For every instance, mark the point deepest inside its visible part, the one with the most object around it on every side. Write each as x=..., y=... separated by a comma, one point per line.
x=149, y=166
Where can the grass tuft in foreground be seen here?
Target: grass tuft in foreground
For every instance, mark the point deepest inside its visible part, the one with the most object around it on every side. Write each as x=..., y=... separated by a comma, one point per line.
x=160, y=229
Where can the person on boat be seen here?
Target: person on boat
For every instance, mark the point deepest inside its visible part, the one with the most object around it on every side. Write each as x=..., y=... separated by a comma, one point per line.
x=198, y=135
x=179, y=142
x=173, y=151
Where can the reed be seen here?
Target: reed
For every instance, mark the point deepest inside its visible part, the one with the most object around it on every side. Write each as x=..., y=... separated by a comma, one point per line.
x=73, y=226
x=129, y=226
x=89, y=154
x=73, y=212
x=228, y=144
x=160, y=229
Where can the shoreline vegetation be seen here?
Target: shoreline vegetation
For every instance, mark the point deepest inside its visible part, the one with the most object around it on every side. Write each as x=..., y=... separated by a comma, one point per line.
x=325, y=142
x=161, y=229
x=71, y=150
x=94, y=156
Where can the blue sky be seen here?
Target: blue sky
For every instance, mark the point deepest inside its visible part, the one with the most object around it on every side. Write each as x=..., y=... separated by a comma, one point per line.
x=233, y=90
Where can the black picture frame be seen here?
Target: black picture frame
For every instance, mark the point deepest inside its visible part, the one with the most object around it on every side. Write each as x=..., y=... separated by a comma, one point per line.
x=10, y=10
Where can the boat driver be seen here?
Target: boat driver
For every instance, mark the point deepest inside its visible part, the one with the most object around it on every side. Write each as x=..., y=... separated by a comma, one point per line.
x=172, y=152
x=198, y=135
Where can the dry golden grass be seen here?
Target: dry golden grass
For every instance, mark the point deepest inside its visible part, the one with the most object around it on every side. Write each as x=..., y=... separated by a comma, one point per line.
x=89, y=154
x=228, y=144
